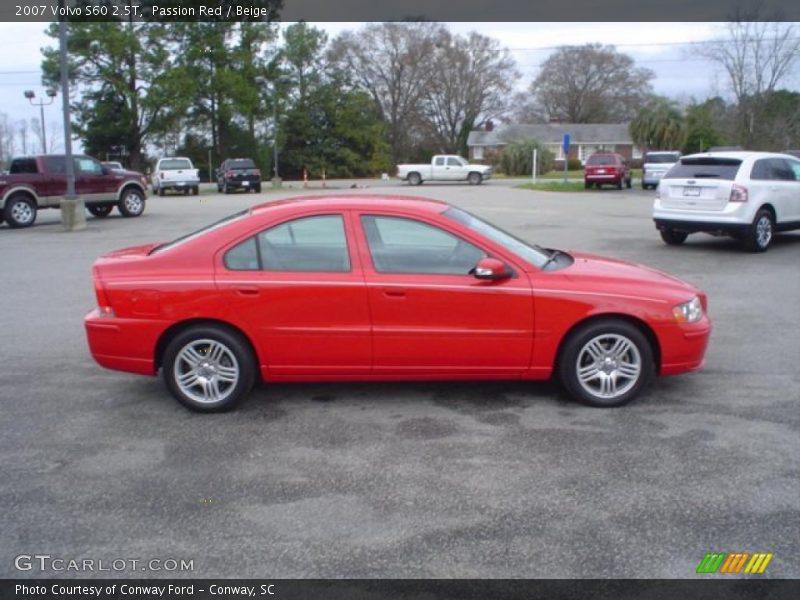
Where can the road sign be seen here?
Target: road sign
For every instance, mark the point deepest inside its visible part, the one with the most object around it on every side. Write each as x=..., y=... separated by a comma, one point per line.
x=565, y=143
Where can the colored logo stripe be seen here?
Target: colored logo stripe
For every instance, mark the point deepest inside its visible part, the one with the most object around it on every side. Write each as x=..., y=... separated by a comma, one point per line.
x=733, y=563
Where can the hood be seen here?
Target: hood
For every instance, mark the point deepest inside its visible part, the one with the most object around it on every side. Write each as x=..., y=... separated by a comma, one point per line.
x=628, y=277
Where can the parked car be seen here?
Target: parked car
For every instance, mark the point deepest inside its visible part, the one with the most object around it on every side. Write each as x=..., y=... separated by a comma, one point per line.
x=747, y=195
x=113, y=164
x=36, y=182
x=238, y=174
x=445, y=167
x=655, y=165
x=175, y=173
x=603, y=168
x=384, y=288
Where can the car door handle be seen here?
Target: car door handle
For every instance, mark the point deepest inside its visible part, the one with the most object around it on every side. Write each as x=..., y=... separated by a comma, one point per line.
x=394, y=293
x=247, y=291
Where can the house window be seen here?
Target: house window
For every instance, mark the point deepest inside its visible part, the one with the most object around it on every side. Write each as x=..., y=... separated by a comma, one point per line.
x=557, y=150
x=637, y=152
x=477, y=152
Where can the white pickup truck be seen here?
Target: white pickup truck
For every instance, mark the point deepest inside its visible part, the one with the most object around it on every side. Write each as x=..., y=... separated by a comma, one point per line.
x=175, y=173
x=445, y=167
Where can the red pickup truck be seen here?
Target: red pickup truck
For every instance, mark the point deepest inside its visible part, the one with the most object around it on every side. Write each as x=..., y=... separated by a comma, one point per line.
x=41, y=182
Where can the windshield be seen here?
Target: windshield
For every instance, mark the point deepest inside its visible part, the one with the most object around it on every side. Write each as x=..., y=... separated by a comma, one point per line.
x=669, y=157
x=533, y=255
x=174, y=164
x=195, y=234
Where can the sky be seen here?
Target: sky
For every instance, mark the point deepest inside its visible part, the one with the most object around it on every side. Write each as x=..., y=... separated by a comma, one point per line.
x=669, y=49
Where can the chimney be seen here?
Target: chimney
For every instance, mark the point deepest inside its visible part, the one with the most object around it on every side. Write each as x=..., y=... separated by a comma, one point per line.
x=489, y=125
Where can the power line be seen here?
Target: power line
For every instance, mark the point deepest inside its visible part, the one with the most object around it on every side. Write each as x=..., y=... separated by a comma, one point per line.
x=651, y=44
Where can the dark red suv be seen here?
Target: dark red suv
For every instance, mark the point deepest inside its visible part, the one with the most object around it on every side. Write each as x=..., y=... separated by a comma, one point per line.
x=603, y=168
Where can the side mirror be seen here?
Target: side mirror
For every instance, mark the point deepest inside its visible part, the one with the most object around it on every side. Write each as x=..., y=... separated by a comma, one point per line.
x=490, y=269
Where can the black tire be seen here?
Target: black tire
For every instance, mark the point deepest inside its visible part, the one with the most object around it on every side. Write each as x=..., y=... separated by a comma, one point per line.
x=186, y=191
x=672, y=237
x=629, y=183
x=161, y=191
x=586, y=185
x=195, y=190
x=257, y=189
x=20, y=211
x=759, y=235
x=236, y=355
x=225, y=188
x=131, y=202
x=619, y=184
x=101, y=211
x=475, y=178
x=219, y=188
x=576, y=356
x=414, y=179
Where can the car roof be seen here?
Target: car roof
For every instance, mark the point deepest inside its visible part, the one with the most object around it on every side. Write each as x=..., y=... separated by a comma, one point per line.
x=738, y=154
x=367, y=201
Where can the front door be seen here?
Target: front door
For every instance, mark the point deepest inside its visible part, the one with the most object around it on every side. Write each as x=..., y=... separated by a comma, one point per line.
x=429, y=314
x=92, y=182
x=299, y=289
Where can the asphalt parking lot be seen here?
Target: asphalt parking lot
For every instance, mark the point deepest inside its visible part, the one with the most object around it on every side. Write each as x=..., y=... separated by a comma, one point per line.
x=404, y=480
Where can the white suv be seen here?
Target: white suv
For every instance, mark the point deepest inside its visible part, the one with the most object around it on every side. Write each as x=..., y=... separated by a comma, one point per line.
x=748, y=195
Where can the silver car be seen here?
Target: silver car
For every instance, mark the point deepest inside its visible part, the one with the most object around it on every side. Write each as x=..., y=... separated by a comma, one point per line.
x=656, y=165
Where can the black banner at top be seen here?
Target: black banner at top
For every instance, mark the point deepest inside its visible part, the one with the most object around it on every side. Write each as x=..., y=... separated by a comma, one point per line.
x=370, y=10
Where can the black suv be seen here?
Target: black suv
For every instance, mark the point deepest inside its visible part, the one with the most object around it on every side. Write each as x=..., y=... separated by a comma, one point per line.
x=238, y=174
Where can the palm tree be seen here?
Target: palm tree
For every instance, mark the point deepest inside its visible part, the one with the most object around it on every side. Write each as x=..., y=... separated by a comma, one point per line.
x=659, y=126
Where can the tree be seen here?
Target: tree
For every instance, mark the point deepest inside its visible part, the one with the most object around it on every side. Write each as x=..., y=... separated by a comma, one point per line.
x=705, y=125
x=591, y=84
x=472, y=79
x=757, y=56
x=120, y=67
x=394, y=63
x=659, y=125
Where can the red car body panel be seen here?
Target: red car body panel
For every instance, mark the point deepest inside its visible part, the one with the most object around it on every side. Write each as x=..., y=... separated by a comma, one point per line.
x=366, y=325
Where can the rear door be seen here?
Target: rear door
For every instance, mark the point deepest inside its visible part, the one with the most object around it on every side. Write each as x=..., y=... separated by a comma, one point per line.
x=794, y=200
x=298, y=288
x=699, y=183
x=775, y=181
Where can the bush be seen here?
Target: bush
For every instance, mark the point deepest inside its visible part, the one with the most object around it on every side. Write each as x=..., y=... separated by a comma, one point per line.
x=574, y=164
x=517, y=158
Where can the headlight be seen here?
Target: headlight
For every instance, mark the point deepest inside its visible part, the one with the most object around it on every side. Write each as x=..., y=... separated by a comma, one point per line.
x=688, y=312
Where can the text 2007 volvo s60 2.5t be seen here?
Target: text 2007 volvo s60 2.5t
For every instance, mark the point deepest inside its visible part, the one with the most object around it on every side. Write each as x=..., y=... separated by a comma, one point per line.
x=385, y=288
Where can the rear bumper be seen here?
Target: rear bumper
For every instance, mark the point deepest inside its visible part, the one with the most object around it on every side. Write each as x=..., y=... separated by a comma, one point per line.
x=123, y=344
x=242, y=183
x=704, y=226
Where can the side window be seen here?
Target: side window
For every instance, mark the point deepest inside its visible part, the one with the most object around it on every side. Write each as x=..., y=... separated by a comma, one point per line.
x=761, y=169
x=453, y=162
x=243, y=256
x=56, y=164
x=439, y=161
x=794, y=166
x=400, y=245
x=781, y=170
x=88, y=166
x=309, y=244
x=23, y=165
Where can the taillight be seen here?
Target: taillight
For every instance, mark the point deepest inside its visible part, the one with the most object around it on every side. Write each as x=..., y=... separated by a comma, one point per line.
x=258, y=172
x=161, y=174
x=103, y=304
x=738, y=193
x=228, y=173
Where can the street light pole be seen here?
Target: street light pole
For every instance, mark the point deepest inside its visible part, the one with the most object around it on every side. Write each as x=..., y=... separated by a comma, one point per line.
x=73, y=210
x=30, y=95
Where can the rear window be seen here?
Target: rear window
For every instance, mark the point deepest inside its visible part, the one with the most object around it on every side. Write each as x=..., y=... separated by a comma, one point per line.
x=661, y=158
x=601, y=159
x=705, y=167
x=23, y=165
x=174, y=164
x=195, y=234
x=242, y=163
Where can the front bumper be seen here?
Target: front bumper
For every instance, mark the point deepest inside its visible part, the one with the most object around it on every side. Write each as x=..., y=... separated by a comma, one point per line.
x=683, y=346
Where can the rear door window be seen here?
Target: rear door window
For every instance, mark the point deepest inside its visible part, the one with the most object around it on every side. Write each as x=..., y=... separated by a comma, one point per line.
x=23, y=165
x=705, y=167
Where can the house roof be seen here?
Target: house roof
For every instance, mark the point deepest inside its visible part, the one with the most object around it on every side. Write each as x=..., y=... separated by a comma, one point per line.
x=553, y=133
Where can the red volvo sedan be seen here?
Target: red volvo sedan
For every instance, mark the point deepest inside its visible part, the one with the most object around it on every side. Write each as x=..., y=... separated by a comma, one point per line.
x=385, y=288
